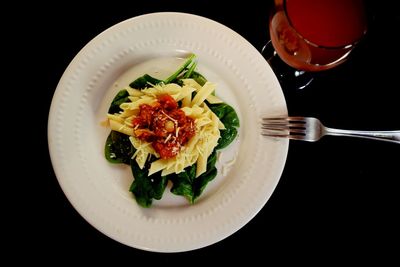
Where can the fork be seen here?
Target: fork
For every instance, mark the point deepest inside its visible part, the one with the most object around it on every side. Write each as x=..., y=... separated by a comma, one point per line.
x=311, y=129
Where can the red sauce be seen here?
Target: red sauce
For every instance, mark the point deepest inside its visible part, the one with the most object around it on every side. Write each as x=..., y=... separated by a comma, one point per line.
x=164, y=125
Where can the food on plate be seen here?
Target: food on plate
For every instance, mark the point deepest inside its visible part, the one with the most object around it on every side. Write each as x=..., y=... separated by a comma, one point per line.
x=169, y=131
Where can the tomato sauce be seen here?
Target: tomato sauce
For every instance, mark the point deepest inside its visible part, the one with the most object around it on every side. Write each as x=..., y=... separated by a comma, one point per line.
x=164, y=125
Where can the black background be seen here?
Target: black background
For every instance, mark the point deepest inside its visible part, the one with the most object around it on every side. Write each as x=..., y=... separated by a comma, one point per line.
x=337, y=199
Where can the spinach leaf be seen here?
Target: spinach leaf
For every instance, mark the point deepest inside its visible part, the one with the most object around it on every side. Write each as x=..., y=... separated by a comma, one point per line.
x=230, y=119
x=200, y=79
x=186, y=184
x=118, y=148
x=219, y=109
x=189, y=72
x=176, y=74
x=201, y=182
x=146, y=188
x=182, y=182
x=144, y=81
x=212, y=160
x=120, y=98
x=227, y=137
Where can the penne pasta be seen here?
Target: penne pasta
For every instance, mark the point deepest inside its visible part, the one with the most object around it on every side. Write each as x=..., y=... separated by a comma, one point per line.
x=119, y=127
x=198, y=148
x=203, y=93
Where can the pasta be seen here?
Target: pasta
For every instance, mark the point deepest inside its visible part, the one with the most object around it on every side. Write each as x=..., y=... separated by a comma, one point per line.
x=199, y=147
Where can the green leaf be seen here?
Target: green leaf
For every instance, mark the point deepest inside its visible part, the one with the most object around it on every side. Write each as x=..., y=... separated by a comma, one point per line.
x=219, y=109
x=144, y=81
x=146, y=188
x=186, y=184
x=227, y=137
x=200, y=79
x=175, y=75
x=120, y=98
x=230, y=119
x=118, y=148
x=201, y=182
x=182, y=182
x=212, y=160
x=190, y=71
x=159, y=184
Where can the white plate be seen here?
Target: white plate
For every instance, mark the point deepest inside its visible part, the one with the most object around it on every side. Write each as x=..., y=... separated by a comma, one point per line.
x=153, y=44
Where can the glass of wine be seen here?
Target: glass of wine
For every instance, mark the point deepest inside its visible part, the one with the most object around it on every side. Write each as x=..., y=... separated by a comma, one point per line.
x=311, y=36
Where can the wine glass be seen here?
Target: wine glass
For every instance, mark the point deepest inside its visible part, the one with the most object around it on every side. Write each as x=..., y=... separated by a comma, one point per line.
x=311, y=36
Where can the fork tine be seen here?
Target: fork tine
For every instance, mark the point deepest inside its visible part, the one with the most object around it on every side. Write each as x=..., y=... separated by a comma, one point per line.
x=274, y=126
x=294, y=118
x=270, y=134
x=297, y=118
x=297, y=137
x=284, y=125
x=290, y=136
x=292, y=121
x=296, y=131
x=281, y=128
x=274, y=120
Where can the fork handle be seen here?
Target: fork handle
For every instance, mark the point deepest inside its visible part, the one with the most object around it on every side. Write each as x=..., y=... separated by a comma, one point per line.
x=390, y=136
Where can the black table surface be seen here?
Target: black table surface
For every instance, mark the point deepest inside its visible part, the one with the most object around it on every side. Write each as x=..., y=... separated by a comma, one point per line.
x=337, y=199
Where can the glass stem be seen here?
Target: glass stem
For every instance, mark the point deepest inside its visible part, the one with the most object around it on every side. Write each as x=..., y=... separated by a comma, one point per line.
x=287, y=76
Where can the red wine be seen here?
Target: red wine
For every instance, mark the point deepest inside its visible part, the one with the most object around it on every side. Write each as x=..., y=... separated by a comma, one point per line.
x=315, y=35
